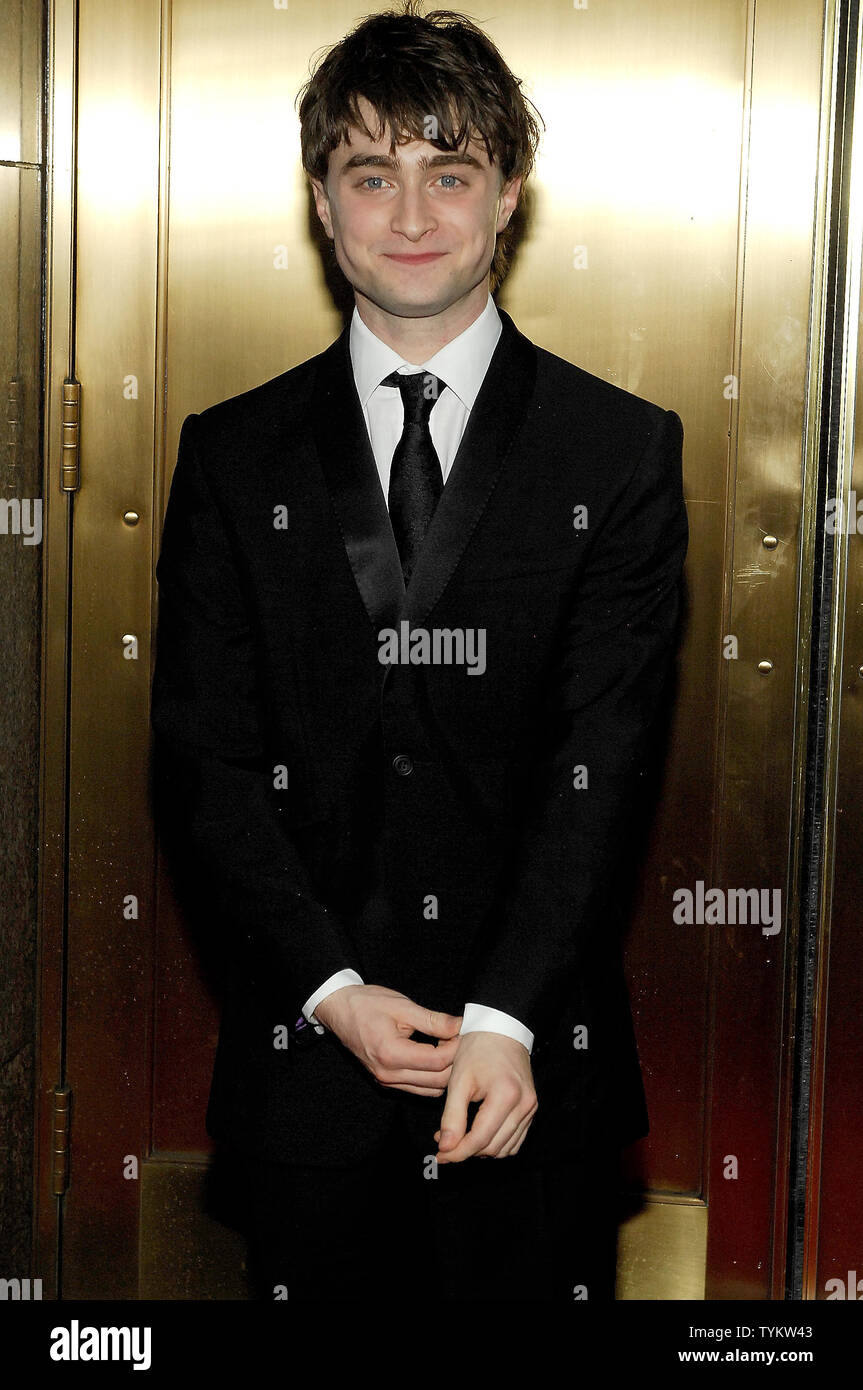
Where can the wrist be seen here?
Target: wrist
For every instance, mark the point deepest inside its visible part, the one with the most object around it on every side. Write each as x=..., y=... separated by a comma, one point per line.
x=329, y=1007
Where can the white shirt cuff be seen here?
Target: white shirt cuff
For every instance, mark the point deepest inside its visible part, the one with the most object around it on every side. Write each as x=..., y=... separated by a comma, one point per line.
x=479, y=1018
x=337, y=981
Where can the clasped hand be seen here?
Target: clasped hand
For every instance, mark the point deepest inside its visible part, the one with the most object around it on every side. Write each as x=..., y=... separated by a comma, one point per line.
x=376, y=1024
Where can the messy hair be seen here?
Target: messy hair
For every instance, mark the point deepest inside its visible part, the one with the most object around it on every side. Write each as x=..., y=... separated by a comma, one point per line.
x=410, y=66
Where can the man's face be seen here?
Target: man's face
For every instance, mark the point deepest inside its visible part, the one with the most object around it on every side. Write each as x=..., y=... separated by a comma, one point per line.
x=414, y=233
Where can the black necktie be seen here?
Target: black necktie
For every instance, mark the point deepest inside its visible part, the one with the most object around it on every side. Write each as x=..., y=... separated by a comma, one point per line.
x=416, y=480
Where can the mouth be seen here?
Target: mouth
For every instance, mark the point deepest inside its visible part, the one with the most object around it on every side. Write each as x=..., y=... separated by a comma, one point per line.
x=416, y=260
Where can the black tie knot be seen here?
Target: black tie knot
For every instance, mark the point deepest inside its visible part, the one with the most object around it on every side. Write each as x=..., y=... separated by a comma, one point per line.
x=419, y=392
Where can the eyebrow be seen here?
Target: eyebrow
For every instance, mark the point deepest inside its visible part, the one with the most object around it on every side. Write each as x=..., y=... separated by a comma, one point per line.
x=384, y=161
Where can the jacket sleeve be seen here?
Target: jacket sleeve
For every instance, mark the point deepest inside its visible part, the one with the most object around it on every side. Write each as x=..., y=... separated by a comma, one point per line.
x=596, y=714
x=215, y=791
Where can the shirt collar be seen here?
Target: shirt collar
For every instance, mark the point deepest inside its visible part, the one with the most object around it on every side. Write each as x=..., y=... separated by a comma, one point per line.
x=461, y=363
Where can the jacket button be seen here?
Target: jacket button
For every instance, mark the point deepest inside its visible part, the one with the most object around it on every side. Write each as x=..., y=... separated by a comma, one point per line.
x=402, y=764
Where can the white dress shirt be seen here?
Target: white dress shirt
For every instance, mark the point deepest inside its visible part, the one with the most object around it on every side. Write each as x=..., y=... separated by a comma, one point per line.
x=462, y=364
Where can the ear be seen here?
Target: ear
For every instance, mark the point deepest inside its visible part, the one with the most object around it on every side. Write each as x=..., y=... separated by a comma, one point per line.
x=322, y=206
x=507, y=202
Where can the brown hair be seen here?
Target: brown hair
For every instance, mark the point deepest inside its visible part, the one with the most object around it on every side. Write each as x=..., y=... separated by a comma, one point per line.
x=408, y=65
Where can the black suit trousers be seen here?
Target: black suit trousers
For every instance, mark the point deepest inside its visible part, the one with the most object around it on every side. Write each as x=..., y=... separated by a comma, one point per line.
x=387, y=1228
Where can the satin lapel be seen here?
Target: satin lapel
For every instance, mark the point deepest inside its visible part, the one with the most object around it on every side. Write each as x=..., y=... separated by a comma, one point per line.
x=492, y=426
x=351, y=474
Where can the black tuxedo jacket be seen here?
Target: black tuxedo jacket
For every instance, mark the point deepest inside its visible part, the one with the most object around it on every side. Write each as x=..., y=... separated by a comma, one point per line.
x=426, y=826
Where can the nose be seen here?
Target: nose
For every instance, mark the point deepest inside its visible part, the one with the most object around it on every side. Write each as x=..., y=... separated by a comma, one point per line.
x=412, y=214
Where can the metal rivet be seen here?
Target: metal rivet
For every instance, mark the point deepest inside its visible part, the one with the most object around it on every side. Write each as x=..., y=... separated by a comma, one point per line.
x=131, y=518
x=765, y=667
x=769, y=542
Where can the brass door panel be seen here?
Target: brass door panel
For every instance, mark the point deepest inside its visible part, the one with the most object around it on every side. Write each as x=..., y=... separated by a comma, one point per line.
x=667, y=246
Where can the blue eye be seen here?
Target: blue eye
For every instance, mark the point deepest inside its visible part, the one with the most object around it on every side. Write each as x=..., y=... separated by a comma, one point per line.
x=378, y=178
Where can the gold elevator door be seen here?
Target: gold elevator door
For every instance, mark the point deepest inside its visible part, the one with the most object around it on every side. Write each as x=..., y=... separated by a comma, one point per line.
x=665, y=171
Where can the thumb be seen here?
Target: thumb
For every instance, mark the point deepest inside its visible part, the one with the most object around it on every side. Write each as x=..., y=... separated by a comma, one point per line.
x=431, y=1022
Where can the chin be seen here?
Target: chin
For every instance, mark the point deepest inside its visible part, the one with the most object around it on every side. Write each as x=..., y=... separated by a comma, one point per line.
x=401, y=304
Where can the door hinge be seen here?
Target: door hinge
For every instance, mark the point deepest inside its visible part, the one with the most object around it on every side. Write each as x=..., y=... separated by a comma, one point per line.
x=13, y=438
x=61, y=1098
x=70, y=430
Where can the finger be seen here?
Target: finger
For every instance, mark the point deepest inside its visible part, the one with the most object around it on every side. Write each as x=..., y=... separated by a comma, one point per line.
x=395, y=1050
x=517, y=1143
x=434, y=1024
x=454, y=1119
x=399, y=1054
x=509, y=1129
x=503, y=1135
x=418, y=1090
x=512, y=1123
x=511, y=1145
x=421, y=1079
x=486, y=1122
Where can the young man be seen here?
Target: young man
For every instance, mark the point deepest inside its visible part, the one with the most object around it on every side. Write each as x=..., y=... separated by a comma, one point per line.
x=418, y=597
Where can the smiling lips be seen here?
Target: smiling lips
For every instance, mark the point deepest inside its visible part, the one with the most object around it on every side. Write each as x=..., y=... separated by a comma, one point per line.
x=417, y=260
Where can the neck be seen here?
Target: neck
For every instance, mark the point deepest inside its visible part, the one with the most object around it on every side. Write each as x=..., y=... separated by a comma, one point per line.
x=418, y=339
